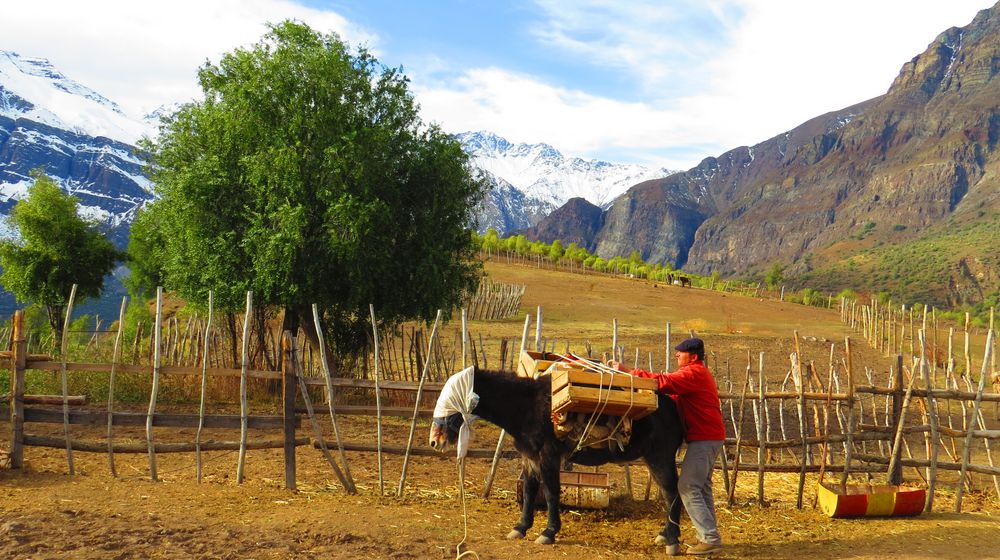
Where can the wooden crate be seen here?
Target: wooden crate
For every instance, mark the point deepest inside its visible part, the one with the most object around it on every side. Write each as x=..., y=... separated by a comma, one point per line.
x=576, y=390
x=533, y=364
x=588, y=490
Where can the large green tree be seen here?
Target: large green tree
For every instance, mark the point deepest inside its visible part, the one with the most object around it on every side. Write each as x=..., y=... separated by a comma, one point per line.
x=54, y=249
x=307, y=176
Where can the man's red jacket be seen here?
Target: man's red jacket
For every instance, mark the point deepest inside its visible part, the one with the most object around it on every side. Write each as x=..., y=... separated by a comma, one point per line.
x=697, y=398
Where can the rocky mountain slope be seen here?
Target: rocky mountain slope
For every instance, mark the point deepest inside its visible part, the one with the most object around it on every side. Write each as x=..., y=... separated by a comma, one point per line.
x=885, y=172
x=74, y=135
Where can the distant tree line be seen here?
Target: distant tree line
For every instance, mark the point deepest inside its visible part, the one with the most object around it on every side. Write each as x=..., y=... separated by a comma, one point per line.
x=574, y=257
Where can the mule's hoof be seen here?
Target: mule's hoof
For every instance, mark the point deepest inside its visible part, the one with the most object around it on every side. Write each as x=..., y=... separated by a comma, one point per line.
x=660, y=539
x=515, y=535
x=545, y=540
x=673, y=549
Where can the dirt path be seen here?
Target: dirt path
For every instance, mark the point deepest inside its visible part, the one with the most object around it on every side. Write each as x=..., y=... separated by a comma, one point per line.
x=44, y=513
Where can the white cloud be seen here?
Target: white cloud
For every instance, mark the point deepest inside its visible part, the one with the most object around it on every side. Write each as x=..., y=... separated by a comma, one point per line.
x=709, y=75
x=525, y=109
x=144, y=55
x=778, y=64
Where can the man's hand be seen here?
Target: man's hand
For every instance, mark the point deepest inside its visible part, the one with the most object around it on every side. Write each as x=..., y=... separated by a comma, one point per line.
x=615, y=364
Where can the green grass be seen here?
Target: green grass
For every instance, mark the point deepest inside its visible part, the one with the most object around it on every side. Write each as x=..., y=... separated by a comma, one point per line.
x=917, y=270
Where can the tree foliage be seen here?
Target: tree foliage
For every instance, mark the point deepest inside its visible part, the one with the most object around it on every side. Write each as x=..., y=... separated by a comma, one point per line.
x=54, y=250
x=307, y=176
x=775, y=277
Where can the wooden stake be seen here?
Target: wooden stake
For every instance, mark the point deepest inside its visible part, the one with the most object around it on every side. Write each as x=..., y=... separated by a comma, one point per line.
x=156, y=383
x=895, y=469
x=739, y=435
x=111, y=385
x=416, y=409
x=19, y=351
x=488, y=485
x=826, y=434
x=317, y=431
x=378, y=403
x=933, y=439
x=797, y=368
x=245, y=365
x=288, y=360
x=327, y=375
x=667, y=349
x=65, y=379
x=614, y=339
x=465, y=338
x=977, y=404
x=761, y=430
x=538, y=329
x=204, y=391
x=851, y=422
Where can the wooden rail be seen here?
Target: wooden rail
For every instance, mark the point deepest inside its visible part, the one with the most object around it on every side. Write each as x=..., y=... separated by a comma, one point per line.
x=160, y=419
x=160, y=447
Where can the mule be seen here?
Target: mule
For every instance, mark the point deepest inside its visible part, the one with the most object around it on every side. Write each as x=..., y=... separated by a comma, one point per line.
x=522, y=407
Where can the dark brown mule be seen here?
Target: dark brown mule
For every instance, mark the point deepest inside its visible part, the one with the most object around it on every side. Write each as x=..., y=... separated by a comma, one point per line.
x=522, y=407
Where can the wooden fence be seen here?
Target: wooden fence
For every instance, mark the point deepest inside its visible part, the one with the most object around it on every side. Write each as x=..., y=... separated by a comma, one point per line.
x=494, y=300
x=802, y=425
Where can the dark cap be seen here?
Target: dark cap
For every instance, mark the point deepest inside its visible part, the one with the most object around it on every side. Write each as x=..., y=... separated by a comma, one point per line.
x=691, y=345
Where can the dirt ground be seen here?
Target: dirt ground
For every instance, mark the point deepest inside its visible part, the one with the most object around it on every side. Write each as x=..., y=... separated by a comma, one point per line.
x=46, y=513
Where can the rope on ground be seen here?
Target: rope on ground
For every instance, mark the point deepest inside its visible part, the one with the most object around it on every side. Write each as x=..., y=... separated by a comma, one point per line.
x=221, y=455
x=465, y=515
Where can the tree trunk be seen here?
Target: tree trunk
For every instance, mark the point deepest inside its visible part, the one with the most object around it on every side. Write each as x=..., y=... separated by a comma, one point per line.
x=233, y=346
x=300, y=316
x=55, y=313
x=261, y=318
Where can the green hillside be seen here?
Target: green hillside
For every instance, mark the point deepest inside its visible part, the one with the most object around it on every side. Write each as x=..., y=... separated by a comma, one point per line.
x=949, y=266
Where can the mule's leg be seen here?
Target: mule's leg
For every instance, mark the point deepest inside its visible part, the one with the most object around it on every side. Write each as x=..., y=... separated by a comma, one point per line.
x=527, y=506
x=550, y=489
x=663, y=468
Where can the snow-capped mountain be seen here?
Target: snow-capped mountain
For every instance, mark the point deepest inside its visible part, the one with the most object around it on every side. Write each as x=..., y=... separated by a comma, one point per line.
x=32, y=88
x=542, y=173
x=507, y=209
x=76, y=136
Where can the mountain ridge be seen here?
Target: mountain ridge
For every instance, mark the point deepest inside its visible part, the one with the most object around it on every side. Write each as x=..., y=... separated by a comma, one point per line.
x=880, y=171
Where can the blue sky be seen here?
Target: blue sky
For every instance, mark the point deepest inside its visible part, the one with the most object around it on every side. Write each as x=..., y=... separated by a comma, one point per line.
x=664, y=82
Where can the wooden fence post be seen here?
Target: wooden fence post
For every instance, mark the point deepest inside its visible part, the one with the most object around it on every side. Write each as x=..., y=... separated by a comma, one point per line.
x=244, y=406
x=488, y=485
x=288, y=387
x=18, y=360
x=157, y=333
x=896, y=474
x=65, y=379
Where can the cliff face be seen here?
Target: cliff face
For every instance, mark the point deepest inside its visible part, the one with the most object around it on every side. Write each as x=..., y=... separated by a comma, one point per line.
x=105, y=175
x=577, y=221
x=888, y=168
x=904, y=161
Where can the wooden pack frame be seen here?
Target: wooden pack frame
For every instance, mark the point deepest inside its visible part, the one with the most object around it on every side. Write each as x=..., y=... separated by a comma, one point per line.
x=578, y=390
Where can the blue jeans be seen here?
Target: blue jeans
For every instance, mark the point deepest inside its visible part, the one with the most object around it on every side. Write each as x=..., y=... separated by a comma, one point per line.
x=695, y=488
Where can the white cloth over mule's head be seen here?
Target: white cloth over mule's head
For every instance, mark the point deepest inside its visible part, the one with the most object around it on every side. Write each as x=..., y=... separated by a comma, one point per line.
x=457, y=397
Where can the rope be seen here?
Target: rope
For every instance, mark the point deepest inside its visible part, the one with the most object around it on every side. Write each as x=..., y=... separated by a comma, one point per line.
x=601, y=369
x=670, y=507
x=465, y=514
x=222, y=455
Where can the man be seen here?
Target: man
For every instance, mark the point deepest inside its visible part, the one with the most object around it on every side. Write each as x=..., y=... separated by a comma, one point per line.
x=697, y=399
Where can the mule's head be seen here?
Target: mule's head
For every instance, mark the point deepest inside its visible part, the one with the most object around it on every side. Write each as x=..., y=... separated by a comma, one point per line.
x=444, y=431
